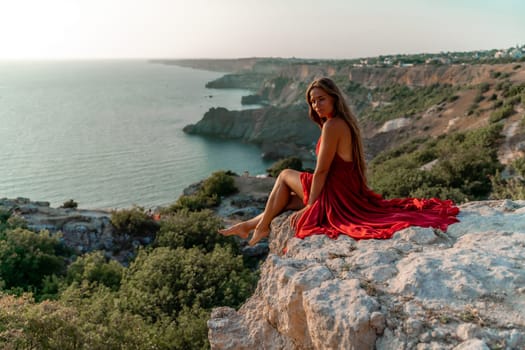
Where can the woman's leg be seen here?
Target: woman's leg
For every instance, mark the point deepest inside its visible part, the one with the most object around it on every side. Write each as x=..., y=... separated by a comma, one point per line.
x=288, y=181
x=242, y=229
x=295, y=202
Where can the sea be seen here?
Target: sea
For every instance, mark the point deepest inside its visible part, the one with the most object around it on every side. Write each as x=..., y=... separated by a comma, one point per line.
x=108, y=134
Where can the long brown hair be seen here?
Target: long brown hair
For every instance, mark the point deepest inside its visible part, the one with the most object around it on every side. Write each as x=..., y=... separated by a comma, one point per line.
x=342, y=111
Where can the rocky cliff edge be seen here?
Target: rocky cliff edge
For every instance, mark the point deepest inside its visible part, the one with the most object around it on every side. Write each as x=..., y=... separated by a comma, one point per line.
x=422, y=289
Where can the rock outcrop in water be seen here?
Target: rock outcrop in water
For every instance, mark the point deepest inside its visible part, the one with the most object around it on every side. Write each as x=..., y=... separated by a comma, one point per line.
x=274, y=129
x=422, y=289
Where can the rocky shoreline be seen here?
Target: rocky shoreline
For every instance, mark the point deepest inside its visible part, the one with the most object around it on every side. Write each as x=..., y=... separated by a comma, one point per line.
x=273, y=129
x=81, y=229
x=87, y=230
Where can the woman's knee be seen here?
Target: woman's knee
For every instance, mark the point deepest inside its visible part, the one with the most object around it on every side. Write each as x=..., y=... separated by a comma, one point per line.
x=287, y=174
x=291, y=178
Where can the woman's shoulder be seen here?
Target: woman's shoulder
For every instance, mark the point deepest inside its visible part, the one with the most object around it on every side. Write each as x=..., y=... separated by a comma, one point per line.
x=335, y=125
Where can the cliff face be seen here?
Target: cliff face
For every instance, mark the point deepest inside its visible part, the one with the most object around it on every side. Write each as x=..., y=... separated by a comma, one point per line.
x=283, y=84
x=275, y=129
x=422, y=289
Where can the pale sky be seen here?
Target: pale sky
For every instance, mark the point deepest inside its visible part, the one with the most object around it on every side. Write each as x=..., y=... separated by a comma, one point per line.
x=75, y=29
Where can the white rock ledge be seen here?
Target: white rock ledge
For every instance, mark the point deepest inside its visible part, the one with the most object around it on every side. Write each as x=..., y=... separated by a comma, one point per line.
x=422, y=289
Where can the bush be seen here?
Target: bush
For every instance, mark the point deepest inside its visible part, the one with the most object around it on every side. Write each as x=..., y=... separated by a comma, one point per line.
x=194, y=202
x=497, y=104
x=191, y=229
x=208, y=195
x=479, y=97
x=512, y=188
x=26, y=325
x=453, y=98
x=219, y=184
x=286, y=163
x=71, y=204
x=134, y=222
x=518, y=166
x=77, y=322
x=495, y=75
x=501, y=113
x=4, y=215
x=164, y=281
x=484, y=87
x=95, y=268
x=26, y=258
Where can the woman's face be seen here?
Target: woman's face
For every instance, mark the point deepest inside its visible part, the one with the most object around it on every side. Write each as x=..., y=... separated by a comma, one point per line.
x=322, y=103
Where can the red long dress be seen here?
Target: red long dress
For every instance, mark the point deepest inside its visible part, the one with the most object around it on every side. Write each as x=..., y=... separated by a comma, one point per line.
x=345, y=206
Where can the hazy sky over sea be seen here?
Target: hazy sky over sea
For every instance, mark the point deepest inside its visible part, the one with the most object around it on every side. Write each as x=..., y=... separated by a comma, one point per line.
x=64, y=29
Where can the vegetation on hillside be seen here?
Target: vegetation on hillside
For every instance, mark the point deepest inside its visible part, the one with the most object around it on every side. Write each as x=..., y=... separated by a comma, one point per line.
x=397, y=101
x=50, y=299
x=455, y=166
x=207, y=195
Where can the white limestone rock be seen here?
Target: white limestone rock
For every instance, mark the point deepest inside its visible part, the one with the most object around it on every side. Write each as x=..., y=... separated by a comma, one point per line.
x=422, y=289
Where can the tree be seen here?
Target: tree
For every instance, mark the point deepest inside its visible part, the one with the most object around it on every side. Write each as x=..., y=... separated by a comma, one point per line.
x=27, y=257
x=95, y=268
x=164, y=281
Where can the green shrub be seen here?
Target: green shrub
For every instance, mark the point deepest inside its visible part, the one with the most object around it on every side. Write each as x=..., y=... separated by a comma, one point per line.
x=164, y=281
x=501, y=113
x=484, y=87
x=495, y=74
x=134, y=222
x=218, y=184
x=514, y=100
x=47, y=325
x=95, y=268
x=71, y=204
x=512, y=188
x=518, y=166
x=194, y=202
x=4, y=215
x=479, y=97
x=286, y=163
x=191, y=229
x=497, y=104
x=440, y=192
x=453, y=98
x=26, y=258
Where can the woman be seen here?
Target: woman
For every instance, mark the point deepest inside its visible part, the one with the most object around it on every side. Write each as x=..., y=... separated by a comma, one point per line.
x=335, y=199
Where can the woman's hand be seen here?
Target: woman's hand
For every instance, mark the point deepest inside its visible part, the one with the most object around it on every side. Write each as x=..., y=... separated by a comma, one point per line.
x=295, y=216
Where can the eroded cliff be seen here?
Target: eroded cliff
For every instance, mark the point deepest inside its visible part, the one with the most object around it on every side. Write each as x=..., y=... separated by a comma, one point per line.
x=274, y=129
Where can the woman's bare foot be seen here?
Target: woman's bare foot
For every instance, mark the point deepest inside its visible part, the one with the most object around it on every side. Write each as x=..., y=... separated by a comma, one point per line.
x=241, y=229
x=259, y=234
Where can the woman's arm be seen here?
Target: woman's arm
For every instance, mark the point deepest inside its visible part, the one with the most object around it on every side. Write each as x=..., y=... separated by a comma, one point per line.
x=330, y=136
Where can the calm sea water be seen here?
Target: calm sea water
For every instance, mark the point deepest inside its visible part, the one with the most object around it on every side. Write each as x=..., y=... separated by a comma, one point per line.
x=108, y=134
